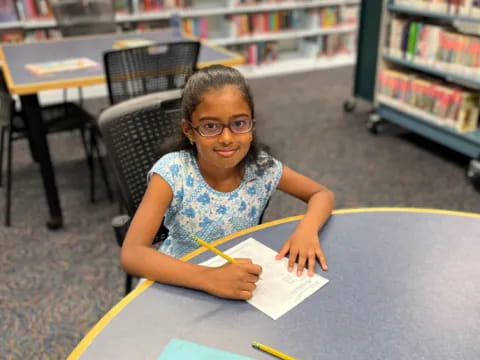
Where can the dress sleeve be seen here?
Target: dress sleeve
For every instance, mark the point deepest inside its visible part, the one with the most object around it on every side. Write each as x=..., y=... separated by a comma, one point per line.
x=171, y=168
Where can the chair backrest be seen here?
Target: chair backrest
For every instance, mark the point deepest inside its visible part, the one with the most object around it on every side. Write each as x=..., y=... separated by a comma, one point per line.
x=133, y=132
x=84, y=17
x=143, y=70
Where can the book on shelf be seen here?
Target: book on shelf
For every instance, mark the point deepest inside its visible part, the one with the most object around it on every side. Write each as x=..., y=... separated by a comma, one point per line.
x=42, y=34
x=443, y=103
x=262, y=52
x=33, y=9
x=197, y=27
x=435, y=46
x=8, y=11
x=449, y=7
x=11, y=36
x=140, y=6
x=249, y=24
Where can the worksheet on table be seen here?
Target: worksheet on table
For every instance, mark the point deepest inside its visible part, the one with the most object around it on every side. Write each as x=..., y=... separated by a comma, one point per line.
x=278, y=291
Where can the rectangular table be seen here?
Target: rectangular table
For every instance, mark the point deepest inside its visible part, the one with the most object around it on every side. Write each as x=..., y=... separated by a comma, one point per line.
x=21, y=82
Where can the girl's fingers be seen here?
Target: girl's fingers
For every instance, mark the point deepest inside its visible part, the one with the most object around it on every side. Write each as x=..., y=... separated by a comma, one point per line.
x=311, y=263
x=302, y=258
x=291, y=260
x=283, y=251
x=322, y=260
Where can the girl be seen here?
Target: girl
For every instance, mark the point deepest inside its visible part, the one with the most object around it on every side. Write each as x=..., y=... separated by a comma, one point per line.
x=219, y=184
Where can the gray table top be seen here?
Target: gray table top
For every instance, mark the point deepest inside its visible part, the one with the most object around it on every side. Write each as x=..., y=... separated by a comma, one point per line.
x=16, y=56
x=403, y=284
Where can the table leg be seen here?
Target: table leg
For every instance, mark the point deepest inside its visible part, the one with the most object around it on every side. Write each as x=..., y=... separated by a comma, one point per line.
x=38, y=141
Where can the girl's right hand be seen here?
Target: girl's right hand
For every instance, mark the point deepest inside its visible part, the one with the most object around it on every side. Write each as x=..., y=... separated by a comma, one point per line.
x=233, y=281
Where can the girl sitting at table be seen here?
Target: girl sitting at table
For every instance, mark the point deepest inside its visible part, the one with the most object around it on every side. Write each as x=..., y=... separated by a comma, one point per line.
x=218, y=184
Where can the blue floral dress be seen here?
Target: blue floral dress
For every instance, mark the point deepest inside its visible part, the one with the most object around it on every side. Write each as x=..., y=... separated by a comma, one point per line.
x=198, y=209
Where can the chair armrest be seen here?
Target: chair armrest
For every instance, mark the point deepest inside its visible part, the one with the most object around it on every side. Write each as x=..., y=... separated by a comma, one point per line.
x=120, y=224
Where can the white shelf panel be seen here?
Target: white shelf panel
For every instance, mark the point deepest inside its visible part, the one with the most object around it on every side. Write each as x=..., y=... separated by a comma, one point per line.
x=281, y=35
x=39, y=24
x=295, y=66
x=11, y=24
x=265, y=7
x=144, y=16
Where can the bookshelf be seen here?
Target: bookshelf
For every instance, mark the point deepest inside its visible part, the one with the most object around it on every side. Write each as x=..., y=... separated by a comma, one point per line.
x=428, y=73
x=275, y=36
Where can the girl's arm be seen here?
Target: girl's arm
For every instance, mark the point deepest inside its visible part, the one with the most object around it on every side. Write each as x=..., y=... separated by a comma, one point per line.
x=303, y=244
x=139, y=258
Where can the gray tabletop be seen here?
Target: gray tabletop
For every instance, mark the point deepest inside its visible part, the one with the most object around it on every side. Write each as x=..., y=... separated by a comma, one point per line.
x=403, y=285
x=19, y=55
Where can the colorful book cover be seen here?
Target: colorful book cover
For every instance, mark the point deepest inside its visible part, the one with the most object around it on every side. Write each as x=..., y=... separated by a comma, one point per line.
x=52, y=67
x=185, y=350
x=7, y=11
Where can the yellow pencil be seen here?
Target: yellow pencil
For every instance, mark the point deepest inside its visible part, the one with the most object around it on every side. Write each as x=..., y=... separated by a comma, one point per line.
x=272, y=351
x=214, y=249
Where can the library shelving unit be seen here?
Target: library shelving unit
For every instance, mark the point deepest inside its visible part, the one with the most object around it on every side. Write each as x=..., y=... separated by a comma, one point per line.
x=275, y=36
x=427, y=76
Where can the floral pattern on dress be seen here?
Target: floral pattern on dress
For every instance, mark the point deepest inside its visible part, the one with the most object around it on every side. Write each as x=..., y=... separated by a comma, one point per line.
x=197, y=209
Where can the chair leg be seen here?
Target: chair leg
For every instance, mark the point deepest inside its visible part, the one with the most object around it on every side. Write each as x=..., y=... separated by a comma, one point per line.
x=89, y=157
x=80, y=96
x=2, y=137
x=8, y=190
x=128, y=283
x=103, y=170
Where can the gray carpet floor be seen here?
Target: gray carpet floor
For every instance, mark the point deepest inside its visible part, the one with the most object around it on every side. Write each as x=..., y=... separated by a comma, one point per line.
x=55, y=285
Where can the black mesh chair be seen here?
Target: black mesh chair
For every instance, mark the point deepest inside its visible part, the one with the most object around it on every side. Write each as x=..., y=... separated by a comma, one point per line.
x=58, y=118
x=137, y=133
x=144, y=70
x=84, y=17
x=134, y=132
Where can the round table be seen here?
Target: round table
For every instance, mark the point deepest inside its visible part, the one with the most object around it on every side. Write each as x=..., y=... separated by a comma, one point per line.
x=404, y=284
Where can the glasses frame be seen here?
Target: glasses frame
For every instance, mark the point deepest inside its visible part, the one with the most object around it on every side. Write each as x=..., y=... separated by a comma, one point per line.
x=196, y=128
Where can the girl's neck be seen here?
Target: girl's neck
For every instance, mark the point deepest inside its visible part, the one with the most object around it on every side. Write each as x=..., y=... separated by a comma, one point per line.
x=224, y=180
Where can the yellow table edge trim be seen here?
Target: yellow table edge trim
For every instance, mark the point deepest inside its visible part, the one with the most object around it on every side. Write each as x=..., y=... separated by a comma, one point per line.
x=5, y=69
x=100, y=325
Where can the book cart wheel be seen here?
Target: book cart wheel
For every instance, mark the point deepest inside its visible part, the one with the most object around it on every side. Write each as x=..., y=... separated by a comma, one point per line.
x=473, y=173
x=375, y=123
x=349, y=105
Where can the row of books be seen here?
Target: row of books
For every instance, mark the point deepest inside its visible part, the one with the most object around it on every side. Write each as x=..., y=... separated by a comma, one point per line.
x=14, y=10
x=20, y=35
x=434, y=46
x=197, y=27
x=450, y=7
x=264, y=52
x=325, y=17
x=15, y=36
x=328, y=45
x=265, y=22
x=157, y=5
x=449, y=106
x=258, y=2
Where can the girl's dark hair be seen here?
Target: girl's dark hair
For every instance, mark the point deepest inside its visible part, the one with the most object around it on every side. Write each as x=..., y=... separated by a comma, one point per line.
x=215, y=77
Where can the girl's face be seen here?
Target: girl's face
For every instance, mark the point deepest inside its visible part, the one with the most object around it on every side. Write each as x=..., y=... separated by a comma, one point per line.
x=224, y=106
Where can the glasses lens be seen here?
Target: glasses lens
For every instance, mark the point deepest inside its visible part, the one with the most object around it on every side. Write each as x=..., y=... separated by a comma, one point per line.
x=241, y=126
x=210, y=129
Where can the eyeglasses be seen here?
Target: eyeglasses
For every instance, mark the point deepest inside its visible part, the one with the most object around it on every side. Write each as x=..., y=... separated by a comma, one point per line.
x=215, y=128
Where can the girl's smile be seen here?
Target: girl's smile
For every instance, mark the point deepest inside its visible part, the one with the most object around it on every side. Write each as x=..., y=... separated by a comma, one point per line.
x=226, y=152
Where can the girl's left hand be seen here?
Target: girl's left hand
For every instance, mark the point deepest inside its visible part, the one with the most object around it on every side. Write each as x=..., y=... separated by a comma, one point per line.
x=304, y=247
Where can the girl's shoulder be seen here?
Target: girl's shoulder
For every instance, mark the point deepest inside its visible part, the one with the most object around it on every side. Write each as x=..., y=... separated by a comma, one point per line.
x=173, y=165
x=182, y=157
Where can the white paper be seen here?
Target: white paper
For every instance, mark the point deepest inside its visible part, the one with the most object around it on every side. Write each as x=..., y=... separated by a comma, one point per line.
x=279, y=290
